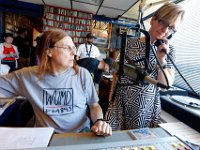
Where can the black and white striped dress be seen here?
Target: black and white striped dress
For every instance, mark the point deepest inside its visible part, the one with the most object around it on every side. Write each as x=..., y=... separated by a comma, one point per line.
x=136, y=105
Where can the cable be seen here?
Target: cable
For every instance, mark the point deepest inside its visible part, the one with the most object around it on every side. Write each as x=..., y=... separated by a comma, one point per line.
x=182, y=76
x=165, y=76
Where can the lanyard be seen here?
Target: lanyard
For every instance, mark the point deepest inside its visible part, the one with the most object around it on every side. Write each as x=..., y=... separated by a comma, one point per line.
x=88, y=52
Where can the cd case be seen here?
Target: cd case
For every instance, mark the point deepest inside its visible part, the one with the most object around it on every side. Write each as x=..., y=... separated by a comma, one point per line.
x=141, y=134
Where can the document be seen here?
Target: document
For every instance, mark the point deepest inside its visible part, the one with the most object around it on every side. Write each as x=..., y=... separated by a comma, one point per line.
x=18, y=138
x=183, y=131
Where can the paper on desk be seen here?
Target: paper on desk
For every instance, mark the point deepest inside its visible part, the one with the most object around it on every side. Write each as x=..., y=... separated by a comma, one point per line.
x=182, y=131
x=18, y=138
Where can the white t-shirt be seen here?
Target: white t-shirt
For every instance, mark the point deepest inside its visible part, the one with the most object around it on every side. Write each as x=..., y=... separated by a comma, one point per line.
x=58, y=101
x=86, y=50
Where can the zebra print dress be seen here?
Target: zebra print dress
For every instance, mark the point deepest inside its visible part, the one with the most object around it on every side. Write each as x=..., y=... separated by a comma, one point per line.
x=136, y=105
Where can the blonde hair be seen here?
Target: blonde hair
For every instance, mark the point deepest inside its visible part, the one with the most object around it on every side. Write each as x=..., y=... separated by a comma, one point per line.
x=48, y=40
x=169, y=11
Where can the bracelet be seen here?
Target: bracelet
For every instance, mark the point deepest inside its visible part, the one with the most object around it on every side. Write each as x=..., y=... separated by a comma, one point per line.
x=100, y=119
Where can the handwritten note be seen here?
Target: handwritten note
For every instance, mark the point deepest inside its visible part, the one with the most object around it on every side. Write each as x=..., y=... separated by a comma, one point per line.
x=16, y=138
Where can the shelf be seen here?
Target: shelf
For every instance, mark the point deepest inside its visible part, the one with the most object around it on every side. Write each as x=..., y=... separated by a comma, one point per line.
x=76, y=23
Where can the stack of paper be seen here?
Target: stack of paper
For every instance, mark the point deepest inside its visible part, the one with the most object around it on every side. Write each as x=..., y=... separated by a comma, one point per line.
x=18, y=138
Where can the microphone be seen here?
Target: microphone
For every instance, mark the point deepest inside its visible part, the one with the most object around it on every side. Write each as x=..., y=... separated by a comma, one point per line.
x=137, y=75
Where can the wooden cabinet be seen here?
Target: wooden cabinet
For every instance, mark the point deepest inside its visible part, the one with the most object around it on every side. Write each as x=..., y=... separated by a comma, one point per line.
x=76, y=23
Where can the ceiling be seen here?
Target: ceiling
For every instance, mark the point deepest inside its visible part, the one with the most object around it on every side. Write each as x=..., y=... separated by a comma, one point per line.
x=122, y=12
x=107, y=8
x=114, y=9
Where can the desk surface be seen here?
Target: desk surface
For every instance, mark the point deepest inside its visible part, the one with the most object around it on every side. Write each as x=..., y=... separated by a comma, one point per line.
x=118, y=140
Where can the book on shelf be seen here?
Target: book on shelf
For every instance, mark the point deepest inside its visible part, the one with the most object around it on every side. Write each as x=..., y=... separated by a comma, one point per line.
x=76, y=23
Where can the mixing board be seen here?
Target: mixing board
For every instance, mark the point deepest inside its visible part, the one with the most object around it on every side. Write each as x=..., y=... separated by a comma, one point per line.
x=138, y=139
x=167, y=143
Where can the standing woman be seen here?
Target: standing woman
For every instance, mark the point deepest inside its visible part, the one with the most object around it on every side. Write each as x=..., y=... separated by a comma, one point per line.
x=137, y=104
x=8, y=52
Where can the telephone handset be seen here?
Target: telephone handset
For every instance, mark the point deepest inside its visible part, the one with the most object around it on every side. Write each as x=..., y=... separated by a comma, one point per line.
x=159, y=41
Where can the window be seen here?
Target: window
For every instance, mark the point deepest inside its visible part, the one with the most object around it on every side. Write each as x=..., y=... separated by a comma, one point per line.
x=187, y=44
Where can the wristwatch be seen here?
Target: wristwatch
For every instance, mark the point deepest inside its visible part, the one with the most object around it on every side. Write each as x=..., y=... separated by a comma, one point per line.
x=100, y=119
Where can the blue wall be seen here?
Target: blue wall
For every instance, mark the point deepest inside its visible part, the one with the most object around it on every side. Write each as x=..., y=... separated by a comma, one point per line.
x=1, y=25
x=23, y=8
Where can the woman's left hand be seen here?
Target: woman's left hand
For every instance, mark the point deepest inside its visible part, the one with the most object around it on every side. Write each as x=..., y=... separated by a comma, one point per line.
x=162, y=50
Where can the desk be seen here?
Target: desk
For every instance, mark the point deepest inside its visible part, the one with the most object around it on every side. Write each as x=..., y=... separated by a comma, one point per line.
x=119, y=140
x=182, y=112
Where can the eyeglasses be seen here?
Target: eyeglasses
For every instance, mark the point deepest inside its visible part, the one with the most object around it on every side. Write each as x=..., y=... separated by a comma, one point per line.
x=164, y=24
x=67, y=47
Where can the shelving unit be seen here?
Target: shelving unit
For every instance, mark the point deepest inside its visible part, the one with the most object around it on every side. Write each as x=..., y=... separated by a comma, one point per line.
x=76, y=23
x=13, y=21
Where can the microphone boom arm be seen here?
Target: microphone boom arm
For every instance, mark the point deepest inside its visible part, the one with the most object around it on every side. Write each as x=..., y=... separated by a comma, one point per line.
x=138, y=75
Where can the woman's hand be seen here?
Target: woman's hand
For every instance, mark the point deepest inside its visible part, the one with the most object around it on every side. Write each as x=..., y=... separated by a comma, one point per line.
x=162, y=50
x=12, y=54
x=102, y=128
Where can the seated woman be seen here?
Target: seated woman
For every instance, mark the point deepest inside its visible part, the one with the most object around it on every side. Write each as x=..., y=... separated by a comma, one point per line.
x=60, y=92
